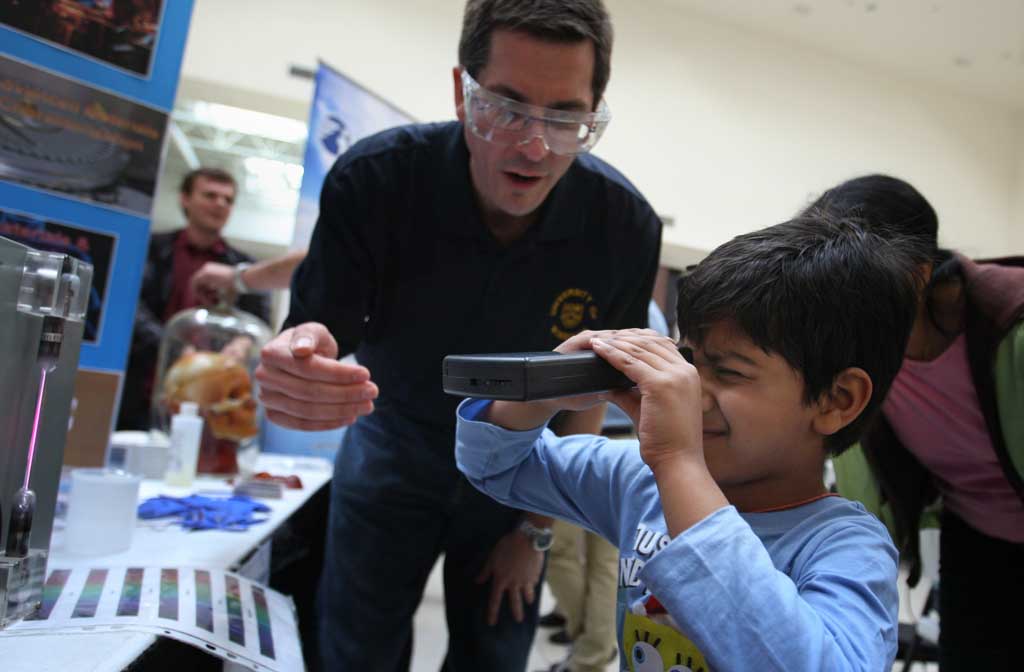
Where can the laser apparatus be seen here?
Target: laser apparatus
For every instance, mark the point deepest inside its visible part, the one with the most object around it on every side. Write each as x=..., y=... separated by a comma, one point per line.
x=43, y=300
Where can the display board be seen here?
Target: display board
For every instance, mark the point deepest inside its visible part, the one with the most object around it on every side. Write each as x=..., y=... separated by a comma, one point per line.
x=86, y=90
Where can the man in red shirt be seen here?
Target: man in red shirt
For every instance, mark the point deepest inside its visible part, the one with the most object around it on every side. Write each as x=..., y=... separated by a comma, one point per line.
x=207, y=196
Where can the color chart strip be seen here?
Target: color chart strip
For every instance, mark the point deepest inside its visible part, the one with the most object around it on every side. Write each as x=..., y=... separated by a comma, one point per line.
x=131, y=592
x=51, y=591
x=90, y=596
x=263, y=622
x=169, y=594
x=204, y=601
x=236, y=627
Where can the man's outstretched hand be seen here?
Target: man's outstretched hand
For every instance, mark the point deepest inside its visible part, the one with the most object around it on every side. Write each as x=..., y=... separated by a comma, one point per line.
x=304, y=386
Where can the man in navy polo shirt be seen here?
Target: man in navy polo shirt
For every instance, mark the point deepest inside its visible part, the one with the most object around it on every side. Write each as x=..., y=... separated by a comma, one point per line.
x=494, y=233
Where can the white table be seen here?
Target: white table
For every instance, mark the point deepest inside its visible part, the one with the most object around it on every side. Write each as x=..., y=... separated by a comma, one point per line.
x=155, y=543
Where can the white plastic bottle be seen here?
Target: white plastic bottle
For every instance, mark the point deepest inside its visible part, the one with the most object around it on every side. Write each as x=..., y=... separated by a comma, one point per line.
x=186, y=433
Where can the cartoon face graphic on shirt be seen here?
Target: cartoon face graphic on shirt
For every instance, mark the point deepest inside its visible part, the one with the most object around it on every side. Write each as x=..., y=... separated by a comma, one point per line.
x=650, y=646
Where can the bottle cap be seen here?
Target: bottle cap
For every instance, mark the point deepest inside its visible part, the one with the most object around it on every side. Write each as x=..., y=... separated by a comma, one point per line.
x=189, y=408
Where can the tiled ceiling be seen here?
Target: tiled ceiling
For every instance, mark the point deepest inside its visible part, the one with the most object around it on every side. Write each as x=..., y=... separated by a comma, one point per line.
x=972, y=46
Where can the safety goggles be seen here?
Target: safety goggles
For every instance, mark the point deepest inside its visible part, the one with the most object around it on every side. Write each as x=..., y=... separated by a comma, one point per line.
x=504, y=121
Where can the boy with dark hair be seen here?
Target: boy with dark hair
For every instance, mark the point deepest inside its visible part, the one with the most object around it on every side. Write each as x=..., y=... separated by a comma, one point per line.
x=733, y=554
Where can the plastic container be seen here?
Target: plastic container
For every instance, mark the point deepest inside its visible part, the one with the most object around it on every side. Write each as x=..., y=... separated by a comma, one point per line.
x=142, y=453
x=101, y=511
x=186, y=435
x=207, y=356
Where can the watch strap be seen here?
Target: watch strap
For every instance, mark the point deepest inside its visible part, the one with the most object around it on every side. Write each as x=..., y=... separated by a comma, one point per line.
x=541, y=537
x=239, y=282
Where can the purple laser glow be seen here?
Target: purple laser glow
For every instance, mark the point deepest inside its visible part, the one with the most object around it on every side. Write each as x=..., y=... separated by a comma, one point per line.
x=35, y=426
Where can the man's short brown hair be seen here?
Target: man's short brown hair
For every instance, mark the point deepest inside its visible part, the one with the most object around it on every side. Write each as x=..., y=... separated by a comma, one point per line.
x=212, y=174
x=552, y=20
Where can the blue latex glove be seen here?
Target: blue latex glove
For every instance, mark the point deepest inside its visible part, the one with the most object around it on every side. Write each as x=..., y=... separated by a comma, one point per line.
x=234, y=514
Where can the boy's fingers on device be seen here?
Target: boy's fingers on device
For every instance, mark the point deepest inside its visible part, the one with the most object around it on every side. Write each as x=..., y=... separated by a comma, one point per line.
x=653, y=342
x=580, y=341
x=637, y=332
x=617, y=357
x=631, y=355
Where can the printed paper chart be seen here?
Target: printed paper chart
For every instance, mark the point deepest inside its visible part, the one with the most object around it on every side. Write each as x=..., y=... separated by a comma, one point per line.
x=219, y=612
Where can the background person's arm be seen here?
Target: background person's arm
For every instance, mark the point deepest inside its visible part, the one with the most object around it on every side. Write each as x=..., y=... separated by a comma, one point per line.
x=275, y=273
x=261, y=276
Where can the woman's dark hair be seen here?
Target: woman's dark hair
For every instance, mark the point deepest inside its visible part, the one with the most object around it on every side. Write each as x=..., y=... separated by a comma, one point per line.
x=891, y=207
x=824, y=293
x=888, y=205
x=552, y=20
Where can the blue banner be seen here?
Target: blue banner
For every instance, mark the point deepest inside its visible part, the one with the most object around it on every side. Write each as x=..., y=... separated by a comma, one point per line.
x=342, y=113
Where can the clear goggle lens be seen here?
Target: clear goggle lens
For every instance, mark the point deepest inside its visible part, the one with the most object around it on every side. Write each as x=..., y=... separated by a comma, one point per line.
x=505, y=121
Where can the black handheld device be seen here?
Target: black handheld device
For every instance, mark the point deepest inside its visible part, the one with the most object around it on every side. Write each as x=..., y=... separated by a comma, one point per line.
x=527, y=376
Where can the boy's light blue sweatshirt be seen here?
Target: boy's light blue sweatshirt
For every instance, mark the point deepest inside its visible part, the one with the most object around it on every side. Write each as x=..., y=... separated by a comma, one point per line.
x=811, y=588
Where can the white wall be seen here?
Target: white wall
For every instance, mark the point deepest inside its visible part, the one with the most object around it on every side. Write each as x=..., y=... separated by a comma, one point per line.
x=723, y=130
x=759, y=126
x=403, y=49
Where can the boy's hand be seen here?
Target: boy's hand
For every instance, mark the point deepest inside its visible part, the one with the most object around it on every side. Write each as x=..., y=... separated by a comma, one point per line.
x=666, y=405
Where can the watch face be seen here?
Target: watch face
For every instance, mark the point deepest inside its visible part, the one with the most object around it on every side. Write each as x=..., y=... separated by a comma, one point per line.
x=543, y=540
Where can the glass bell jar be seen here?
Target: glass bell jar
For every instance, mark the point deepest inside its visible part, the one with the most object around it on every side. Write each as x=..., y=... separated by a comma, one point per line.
x=208, y=356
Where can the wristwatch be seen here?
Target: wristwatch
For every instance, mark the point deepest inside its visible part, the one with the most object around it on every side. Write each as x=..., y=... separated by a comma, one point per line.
x=542, y=537
x=239, y=282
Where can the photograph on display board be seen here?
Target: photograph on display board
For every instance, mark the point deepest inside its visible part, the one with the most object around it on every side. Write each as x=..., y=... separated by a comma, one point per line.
x=92, y=247
x=64, y=136
x=119, y=33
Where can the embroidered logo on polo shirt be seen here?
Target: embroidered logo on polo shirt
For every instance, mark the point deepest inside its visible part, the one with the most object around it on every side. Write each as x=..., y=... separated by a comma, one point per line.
x=573, y=311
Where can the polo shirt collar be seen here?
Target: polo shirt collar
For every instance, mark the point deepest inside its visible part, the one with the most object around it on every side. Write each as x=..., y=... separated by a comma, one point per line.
x=561, y=215
x=219, y=247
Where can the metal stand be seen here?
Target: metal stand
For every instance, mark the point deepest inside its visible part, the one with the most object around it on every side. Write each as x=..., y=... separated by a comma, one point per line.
x=21, y=586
